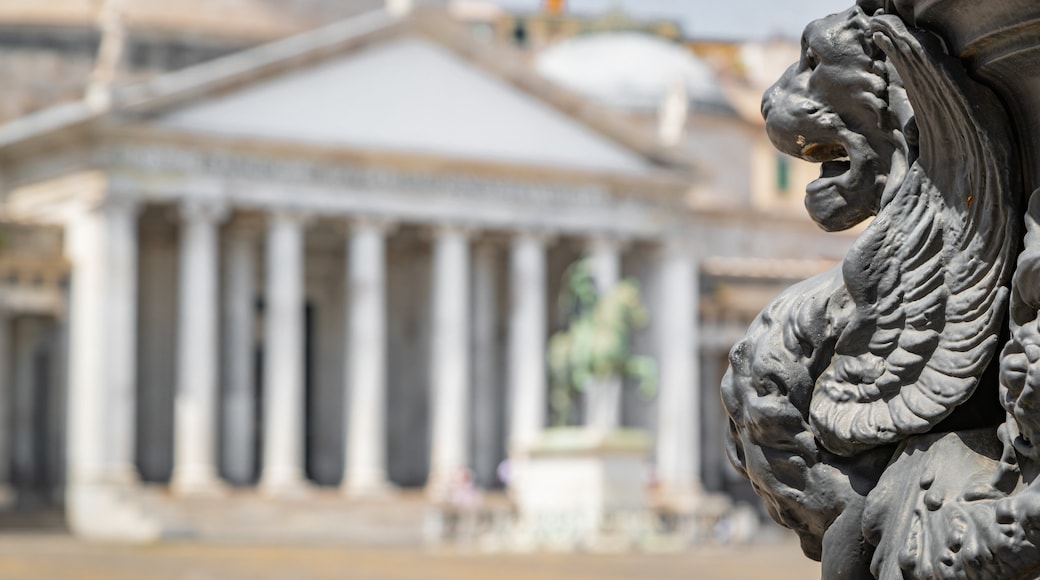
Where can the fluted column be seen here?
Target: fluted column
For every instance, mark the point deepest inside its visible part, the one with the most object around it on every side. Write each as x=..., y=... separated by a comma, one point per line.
x=366, y=360
x=239, y=312
x=121, y=296
x=527, y=329
x=6, y=491
x=284, y=358
x=101, y=243
x=678, y=423
x=450, y=357
x=603, y=397
x=195, y=407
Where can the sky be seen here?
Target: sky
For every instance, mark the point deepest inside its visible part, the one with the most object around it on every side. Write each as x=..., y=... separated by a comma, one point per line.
x=713, y=19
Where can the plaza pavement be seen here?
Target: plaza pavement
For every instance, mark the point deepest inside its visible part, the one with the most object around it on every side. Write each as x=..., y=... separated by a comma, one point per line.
x=54, y=555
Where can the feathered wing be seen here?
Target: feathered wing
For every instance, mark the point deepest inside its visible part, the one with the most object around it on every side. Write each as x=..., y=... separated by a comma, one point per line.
x=929, y=275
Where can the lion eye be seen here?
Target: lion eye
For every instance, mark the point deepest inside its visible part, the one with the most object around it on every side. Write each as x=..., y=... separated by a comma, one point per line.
x=811, y=58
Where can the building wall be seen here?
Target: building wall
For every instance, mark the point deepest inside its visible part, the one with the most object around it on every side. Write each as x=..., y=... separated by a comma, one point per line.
x=325, y=266
x=156, y=344
x=409, y=326
x=35, y=421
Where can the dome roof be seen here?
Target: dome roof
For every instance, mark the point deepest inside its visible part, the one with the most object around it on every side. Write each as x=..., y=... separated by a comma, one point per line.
x=630, y=70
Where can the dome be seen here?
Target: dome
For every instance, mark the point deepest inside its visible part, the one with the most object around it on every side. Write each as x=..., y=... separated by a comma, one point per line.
x=631, y=70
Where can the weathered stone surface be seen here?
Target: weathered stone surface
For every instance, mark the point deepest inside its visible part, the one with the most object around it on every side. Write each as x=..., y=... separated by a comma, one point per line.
x=865, y=404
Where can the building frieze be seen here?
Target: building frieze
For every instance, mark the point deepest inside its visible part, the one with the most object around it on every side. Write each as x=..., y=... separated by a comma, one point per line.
x=165, y=159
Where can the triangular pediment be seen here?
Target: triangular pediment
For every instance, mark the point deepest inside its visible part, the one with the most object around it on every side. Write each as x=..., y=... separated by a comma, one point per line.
x=407, y=94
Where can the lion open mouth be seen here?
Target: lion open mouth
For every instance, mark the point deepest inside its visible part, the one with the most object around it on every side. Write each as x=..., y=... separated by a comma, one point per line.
x=833, y=158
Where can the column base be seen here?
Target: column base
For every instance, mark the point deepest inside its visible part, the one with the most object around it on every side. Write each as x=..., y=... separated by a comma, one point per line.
x=285, y=486
x=444, y=484
x=121, y=475
x=437, y=488
x=198, y=482
x=109, y=513
x=375, y=486
x=603, y=405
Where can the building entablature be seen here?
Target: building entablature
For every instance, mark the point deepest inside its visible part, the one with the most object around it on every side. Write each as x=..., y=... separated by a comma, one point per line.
x=348, y=184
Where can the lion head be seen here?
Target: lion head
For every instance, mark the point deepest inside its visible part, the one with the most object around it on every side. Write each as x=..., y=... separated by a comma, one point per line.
x=842, y=105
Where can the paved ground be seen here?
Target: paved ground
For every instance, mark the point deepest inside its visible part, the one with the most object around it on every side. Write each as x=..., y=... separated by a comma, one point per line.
x=57, y=556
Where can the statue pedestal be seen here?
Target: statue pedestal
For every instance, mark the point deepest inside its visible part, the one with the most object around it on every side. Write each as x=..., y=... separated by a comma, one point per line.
x=576, y=487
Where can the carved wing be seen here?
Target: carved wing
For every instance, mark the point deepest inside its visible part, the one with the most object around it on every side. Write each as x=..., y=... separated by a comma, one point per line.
x=929, y=275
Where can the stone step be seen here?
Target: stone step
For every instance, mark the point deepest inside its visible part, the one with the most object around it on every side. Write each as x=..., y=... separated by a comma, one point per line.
x=322, y=516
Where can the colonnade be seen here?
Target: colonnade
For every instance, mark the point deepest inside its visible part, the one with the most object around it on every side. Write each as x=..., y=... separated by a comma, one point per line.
x=215, y=317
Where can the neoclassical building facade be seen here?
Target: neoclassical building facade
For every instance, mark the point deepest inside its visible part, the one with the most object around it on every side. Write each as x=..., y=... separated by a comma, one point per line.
x=331, y=263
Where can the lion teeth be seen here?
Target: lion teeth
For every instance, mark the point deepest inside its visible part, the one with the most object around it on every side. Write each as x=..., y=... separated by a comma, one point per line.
x=821, y=152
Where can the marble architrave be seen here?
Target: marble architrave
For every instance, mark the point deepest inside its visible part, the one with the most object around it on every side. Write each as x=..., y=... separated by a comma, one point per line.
x=505, y=201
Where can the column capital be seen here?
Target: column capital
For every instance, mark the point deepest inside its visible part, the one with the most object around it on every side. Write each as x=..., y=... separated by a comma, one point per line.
x=118, y=203
x=677, y=244
x=246, y=224
x=540, y=234
x=608, y=239
x=299, y=216
x=382, y=224
x=466, y=230
x=207, y=210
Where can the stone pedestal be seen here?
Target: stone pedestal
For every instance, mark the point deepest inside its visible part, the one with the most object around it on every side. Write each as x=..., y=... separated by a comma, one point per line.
x=575, y=485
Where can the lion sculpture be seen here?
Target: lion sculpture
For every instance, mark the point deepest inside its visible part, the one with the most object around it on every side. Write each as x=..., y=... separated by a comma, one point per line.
x=843, y=373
